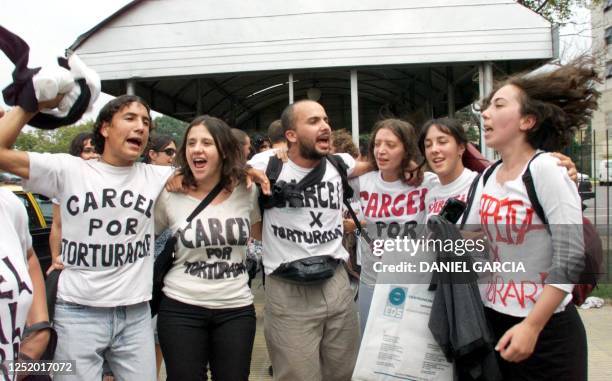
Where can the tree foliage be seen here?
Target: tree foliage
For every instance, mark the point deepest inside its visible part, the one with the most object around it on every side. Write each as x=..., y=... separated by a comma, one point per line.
x=53, y=141
x=556, y=11
x=165, y=125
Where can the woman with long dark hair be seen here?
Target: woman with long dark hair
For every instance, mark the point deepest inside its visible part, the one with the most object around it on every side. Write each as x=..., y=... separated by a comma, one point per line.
x=540, y=333
x=206, y=313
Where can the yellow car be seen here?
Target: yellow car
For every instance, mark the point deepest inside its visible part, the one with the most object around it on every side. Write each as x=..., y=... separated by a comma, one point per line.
x=40, y=215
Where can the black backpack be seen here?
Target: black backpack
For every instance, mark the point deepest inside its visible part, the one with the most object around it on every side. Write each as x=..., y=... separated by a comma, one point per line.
x=593, y=249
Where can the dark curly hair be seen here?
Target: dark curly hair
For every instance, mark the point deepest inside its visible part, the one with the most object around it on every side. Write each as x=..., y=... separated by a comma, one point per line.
x=404, y=131
x=106, y=116
x=343, y=143
x=77, y=144
x=230, y=153
x=561, y=101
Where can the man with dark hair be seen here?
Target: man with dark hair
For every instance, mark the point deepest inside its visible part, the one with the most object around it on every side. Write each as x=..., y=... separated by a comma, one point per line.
x=311, y=329
x=102, y=309
x=276, y=134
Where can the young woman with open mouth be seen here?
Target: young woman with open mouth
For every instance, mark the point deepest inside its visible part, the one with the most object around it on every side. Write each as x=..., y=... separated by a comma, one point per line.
x=390, y=206
x=206, y=313
x=540, y=334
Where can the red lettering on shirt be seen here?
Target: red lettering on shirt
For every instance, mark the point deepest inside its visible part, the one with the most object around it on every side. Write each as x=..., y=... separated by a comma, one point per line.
x=384, y=205
x=506, y=220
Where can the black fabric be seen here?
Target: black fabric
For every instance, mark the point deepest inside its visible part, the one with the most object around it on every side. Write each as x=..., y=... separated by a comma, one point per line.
x=21, y=91
x=49, y=352
x=309, y=270
x=191, y=337
x=51, y=291
x=289, y=193
x=342, y=169
x=165, y=259
x=470, y=200
x=560, y=352
x=457, y=320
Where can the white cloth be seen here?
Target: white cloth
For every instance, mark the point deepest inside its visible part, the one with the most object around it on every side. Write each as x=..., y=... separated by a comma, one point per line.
x=458, y=188
x=592, y=302
x=526, y=240
x=209, y=268
x=107, y=226
x=15, y=283
x=290, y=234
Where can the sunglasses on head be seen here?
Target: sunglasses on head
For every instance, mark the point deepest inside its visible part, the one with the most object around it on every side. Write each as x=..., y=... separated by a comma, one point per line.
x=169, y=151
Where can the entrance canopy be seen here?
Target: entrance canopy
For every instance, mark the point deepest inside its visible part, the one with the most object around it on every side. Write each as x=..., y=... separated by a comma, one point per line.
x=244, y=61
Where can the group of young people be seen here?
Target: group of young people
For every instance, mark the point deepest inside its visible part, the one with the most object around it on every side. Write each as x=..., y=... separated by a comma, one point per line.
x=112, y=207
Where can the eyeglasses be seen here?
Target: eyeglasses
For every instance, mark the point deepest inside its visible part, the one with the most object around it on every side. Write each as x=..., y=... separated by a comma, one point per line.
x=169, y=151
x=89, y=150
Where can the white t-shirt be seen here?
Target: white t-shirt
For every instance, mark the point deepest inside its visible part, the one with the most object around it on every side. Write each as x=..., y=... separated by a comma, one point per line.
x=209, y=268
x=290, y=234
x=15, y=283
x=516, y=233
x=107, y=226
x=391, y=209
x=385, y=202
x=459, y=188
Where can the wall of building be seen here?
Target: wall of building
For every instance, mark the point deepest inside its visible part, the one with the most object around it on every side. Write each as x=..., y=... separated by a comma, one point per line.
x=601, y=21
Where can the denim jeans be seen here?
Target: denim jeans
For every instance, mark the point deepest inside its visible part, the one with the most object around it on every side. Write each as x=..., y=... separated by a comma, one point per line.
x=121, y=335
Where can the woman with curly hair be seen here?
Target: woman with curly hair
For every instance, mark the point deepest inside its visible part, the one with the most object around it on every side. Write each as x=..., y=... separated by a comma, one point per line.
x=206, y=313
x=540, y=333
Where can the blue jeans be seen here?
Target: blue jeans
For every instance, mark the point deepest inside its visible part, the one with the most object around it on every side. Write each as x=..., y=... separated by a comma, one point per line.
x=121, y=335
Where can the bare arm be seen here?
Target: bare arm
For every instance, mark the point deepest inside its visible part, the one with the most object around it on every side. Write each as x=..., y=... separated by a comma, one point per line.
x=256, y=231
x=361, y=167
x=13, y=161
x=36, y=343
x=518, y=342
x=55, y=240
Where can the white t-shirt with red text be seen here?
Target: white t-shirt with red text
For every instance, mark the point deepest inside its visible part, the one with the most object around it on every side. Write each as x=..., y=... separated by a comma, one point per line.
x=516, y=233
x=459, y=188
x=394, y=201
x=391, y=209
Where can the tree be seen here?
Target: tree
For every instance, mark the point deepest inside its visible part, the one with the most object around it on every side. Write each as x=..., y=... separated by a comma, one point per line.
x=556, y=11
x=53, y=141
x=165, y=125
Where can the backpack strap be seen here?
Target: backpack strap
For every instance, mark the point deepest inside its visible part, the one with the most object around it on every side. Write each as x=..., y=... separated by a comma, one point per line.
x=489, y=171
x=348, y=193
x=472, y=192
x=342, y=169
x=274, y=168
x=470, y=200
x=531, y=192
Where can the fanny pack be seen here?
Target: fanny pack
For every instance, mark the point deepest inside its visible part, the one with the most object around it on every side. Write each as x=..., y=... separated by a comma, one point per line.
x=309, y=270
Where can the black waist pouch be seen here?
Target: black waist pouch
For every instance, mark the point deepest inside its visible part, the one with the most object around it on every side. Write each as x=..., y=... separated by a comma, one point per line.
x=310, y=270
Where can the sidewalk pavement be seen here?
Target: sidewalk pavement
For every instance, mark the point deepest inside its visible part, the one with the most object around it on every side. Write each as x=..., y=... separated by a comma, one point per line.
x=597, y=321
x=598, y=324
